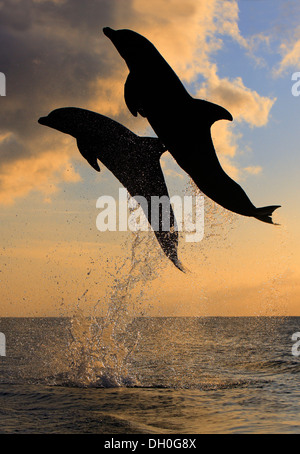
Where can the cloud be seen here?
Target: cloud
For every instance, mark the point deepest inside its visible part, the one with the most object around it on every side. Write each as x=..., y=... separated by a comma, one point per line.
x=290, y=53
x=47, y=171
x=54, y=54
x=245, y=105
x=253, y=170
x=51, y=54
x=285, y=34
x=170, y=167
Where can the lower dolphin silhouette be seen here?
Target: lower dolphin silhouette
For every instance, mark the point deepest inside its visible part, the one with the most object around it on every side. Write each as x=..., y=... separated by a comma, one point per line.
x=182, y=123
x=134, y=160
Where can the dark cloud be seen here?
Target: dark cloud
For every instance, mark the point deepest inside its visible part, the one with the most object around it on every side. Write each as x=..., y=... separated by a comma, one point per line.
x=78, y=14
x=22, y=15
x=16, y=14
x=51, y=53
x=11, y=149
x=54, y=54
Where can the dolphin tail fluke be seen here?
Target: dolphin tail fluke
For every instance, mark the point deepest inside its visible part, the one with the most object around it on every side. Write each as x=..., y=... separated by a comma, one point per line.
x=264, y=214
x=168, y=241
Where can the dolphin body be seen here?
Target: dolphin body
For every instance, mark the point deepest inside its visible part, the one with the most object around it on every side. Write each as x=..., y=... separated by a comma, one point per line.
x=134, y=160
x=183, y=123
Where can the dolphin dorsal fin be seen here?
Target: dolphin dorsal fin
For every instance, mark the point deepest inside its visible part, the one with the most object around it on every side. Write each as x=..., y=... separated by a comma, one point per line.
x=211, y=112
x=154, y=145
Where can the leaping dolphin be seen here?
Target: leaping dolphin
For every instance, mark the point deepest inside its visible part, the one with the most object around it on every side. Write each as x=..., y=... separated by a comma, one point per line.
x=182, y=123
x=134, y=160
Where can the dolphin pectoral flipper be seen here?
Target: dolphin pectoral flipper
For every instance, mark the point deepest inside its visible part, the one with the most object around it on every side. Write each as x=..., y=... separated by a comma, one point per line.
x=131, y=97
x=89, y=153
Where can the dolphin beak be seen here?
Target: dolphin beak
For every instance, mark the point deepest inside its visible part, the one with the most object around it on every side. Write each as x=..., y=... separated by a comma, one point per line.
x=109, y=32
x=43, y=121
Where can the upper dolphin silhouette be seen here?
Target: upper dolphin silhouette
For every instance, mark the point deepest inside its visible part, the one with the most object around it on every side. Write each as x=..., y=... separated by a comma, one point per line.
x=183, y=123
x=134, y=160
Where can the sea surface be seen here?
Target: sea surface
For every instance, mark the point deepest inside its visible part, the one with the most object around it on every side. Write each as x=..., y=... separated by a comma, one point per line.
x=158, y=376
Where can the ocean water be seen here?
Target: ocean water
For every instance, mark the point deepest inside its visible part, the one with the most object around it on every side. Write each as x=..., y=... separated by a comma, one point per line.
x=157, y=375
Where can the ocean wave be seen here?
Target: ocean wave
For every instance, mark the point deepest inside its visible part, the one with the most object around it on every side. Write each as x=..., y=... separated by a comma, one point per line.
x=274, y=366
x=110, y=381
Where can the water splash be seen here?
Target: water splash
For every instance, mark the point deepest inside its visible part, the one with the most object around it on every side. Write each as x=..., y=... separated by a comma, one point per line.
x=100, y=348
x=102, y=351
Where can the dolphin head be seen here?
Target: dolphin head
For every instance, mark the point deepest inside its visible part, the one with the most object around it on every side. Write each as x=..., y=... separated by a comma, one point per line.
x=61, y=119
x=130, y=45
x=79, y=123
x=70, y=120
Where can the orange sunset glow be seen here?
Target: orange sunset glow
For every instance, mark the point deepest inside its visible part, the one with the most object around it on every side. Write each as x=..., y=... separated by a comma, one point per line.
x=52, y=257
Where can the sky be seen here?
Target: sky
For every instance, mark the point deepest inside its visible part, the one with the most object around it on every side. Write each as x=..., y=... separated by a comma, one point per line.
x=239, y=54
